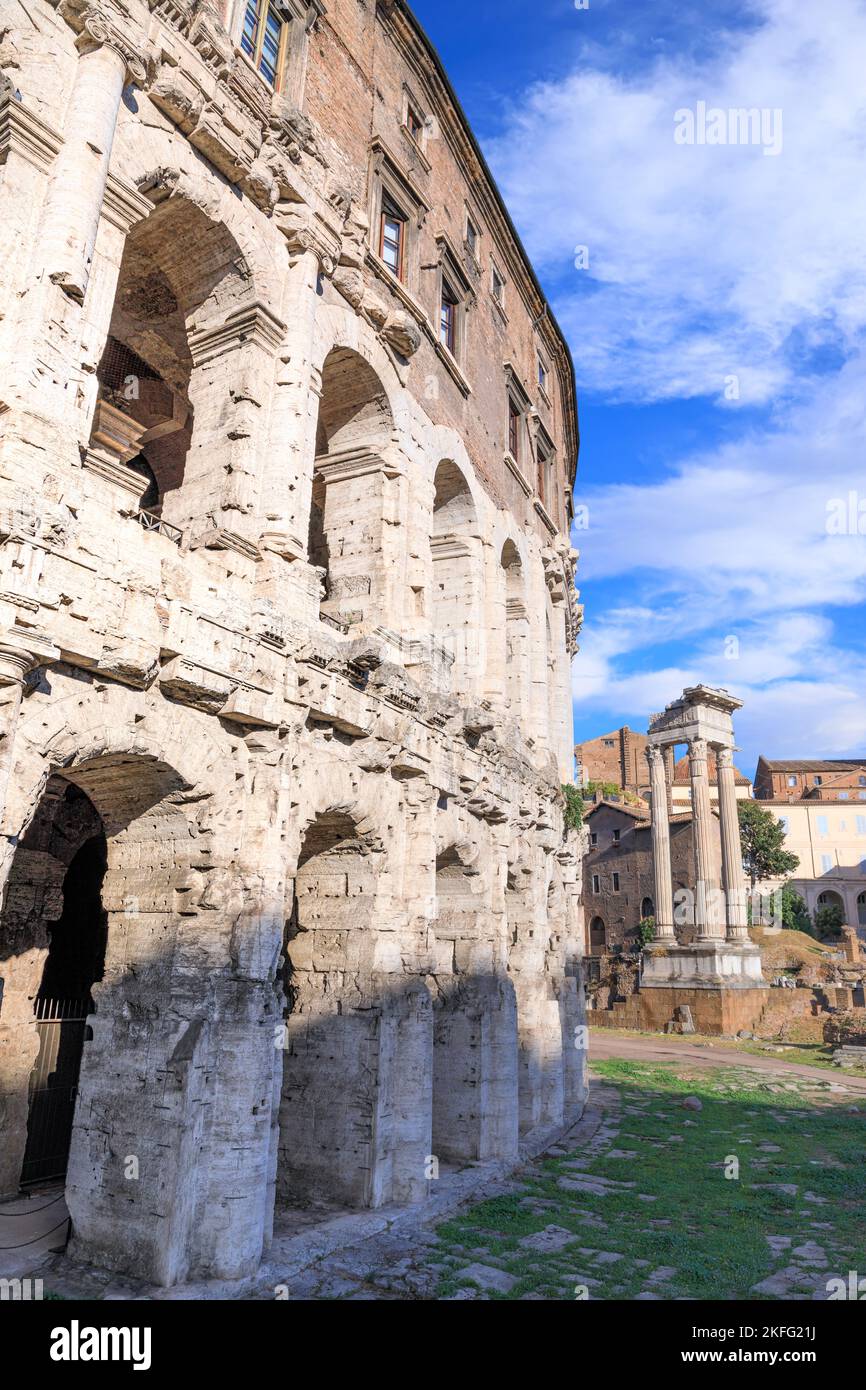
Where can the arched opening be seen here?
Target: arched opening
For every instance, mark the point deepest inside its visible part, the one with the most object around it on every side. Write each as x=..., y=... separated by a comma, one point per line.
x=350, y=491
x=861, y=909
x=97, y=889
x=159, y=400
x=831, y=899
x=597, y=937
x=455, y=608
x=517, y=653
x=647, y=909
x=354, y=1109
x=54, y=910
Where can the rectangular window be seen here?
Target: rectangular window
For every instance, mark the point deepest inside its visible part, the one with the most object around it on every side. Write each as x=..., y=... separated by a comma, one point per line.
x=542, y=375
x=497, y=286
x=448, y=319
x=596, y=887
x=414, y=123
x=861, y=796
x=843, y=796
x=783, y=821
x=616, y=835
x=392, y=237
x=817, y=781
x=263, y=39
x=513, y=430
x=609, y=743
x=822, y=825
x=792, y=781
x=616, y=883
x=826, y=863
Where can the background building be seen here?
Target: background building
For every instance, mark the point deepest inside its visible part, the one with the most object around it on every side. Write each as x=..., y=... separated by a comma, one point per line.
x=681, y=791
x=618, y=757
x=820, y=779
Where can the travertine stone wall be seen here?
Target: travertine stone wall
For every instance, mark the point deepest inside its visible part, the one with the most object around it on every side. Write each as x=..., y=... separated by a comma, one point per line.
x=273, y=635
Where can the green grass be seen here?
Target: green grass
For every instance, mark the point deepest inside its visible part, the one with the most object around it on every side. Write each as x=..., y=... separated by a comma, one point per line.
x=716, y=1239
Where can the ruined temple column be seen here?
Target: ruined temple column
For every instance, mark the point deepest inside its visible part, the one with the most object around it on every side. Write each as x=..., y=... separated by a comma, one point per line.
x=661, y=840
x=732, y=856
x=75, y=193
x=706, y=911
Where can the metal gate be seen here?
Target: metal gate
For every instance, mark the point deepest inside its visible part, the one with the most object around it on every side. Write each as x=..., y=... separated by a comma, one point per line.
x=61, y=1024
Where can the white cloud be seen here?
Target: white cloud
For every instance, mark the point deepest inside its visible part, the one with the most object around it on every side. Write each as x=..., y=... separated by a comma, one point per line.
x=705, y=261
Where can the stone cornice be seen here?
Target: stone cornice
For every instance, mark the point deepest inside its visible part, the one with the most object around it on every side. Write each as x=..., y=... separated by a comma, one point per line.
x=25, y=134
x=251, y=324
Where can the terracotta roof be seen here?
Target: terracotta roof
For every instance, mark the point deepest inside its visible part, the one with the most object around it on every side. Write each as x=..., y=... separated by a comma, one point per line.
x=681, y=772
x=639, y=812
x=814, y=764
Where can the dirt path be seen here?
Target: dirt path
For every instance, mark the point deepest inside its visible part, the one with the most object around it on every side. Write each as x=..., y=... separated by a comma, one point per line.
x=648, y=1049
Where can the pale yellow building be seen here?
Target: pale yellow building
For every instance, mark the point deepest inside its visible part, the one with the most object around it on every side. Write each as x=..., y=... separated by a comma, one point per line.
x=829, y=838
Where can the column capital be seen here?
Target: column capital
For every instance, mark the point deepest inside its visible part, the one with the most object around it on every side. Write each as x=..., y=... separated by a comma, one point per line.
x=654, y=754
x=22, y=653
x=98, y=27
x=724, y=757
x=698, y=748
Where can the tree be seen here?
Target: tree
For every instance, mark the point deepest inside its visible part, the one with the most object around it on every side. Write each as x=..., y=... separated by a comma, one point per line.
x=762, y=838
x=646, y=930
x=783, y=908
x=573, y=806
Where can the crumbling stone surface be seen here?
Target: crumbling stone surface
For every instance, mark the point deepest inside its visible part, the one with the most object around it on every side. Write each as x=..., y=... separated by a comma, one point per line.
x=284, y=644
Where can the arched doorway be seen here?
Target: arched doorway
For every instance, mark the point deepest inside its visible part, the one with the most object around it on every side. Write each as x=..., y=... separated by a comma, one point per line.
x=74, y=963
x=104, y=1070
x=647, y=908
x=597, y=936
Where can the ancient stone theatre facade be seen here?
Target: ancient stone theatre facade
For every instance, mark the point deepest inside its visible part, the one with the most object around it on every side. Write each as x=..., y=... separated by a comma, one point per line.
x=287, y=440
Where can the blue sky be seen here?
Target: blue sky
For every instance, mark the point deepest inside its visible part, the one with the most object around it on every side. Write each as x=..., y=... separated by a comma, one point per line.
x=719, y=337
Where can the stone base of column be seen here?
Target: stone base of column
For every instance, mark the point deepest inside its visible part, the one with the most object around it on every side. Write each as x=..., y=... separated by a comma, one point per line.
x=704, y=965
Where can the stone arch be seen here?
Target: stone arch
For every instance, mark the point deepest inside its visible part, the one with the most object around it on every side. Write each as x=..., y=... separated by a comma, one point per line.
x=354, y=1115
x=351, y=489
x=190, y=314
x=146, y=889
x=457, y=596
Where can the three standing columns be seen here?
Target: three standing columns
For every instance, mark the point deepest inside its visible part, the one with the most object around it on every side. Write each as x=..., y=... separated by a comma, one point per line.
x=712, y=921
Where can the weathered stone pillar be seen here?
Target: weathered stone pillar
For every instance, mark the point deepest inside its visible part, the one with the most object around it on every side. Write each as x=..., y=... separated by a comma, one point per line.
x=707, y=924
x=661, y=841
x=288, y=479
x=732, y=857
x=17, y=659
x=75, y=193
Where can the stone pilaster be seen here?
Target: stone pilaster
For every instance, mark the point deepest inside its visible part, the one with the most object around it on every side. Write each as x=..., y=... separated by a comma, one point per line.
x=661, y=841
x=706, y=909
x=732, y=857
